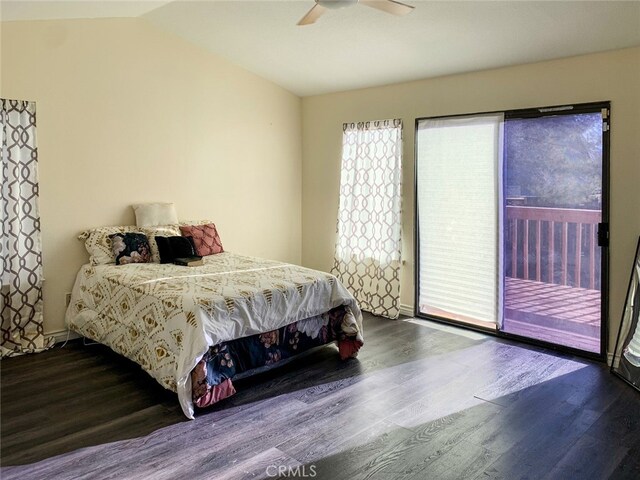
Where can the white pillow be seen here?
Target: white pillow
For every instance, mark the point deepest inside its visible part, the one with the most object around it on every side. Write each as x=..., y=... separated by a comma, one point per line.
x=151, y=214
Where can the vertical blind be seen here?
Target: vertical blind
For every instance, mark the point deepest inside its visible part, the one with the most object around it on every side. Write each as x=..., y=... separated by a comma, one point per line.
x=458, y=165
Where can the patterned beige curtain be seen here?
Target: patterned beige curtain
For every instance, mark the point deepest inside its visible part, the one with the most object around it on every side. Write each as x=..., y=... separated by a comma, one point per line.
x=367, y=255
x=20, y=255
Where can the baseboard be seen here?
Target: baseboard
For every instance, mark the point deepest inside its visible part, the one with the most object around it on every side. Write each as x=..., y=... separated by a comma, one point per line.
x=407, y=310
x=62, y=335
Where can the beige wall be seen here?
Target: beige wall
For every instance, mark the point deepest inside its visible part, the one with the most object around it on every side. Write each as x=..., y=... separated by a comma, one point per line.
x=126, y=114
x=611, y=76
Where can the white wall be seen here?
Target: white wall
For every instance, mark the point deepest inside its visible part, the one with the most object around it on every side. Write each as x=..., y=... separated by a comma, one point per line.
x=611, y=76
x=126, y=114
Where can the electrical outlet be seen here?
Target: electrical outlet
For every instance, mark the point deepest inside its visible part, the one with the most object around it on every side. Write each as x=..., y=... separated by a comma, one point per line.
x=67, y=299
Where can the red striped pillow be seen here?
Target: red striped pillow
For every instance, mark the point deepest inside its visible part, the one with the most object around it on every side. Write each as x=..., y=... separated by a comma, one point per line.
x=205, y=238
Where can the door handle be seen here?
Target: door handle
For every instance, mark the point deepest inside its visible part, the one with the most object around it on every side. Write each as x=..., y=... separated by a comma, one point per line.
x=603, y=234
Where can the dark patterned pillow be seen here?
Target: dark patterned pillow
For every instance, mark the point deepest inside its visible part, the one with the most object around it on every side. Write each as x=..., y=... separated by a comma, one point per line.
x=130, y=248
x=205, y=238
x=171, y=248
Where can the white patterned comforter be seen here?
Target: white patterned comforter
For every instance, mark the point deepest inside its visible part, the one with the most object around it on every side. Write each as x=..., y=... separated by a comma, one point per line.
x=165, y=317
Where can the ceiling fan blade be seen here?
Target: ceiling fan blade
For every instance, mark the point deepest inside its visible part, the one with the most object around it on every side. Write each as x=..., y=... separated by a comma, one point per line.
x=312, y=15
x=389, y=6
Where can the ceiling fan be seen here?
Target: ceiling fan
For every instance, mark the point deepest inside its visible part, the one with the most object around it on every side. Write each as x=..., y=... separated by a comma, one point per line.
x=321, y=6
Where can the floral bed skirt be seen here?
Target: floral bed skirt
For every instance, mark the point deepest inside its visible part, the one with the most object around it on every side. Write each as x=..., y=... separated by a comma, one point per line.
x=211, y=379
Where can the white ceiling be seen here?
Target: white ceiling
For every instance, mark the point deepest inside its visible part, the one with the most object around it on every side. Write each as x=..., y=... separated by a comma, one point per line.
x=361, y=47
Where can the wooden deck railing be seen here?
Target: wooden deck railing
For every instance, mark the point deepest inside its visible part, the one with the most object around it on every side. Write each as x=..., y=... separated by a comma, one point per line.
x=540, y=251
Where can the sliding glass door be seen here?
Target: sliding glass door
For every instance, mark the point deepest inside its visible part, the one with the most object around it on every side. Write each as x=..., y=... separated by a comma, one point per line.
x=553, y=183
x=511, y=223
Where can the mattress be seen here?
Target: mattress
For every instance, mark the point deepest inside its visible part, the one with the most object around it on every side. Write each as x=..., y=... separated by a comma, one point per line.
x=166, y=317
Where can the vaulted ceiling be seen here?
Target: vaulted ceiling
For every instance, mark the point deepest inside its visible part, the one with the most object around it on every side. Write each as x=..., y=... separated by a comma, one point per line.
x=358, y=47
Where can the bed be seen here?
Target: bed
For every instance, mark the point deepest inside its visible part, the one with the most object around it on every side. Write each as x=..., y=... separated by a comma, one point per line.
x=194, y=329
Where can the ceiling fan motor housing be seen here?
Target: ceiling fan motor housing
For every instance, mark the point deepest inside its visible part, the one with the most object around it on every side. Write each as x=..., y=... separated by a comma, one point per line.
x=335, y=4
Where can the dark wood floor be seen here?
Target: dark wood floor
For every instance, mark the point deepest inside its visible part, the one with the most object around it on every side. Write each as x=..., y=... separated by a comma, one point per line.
x=422, y=402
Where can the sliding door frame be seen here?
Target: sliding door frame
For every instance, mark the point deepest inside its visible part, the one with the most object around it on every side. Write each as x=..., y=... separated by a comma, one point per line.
x=603, y=230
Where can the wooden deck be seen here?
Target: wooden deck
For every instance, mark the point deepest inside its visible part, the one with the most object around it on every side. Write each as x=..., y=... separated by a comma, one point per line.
x=559, y=314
